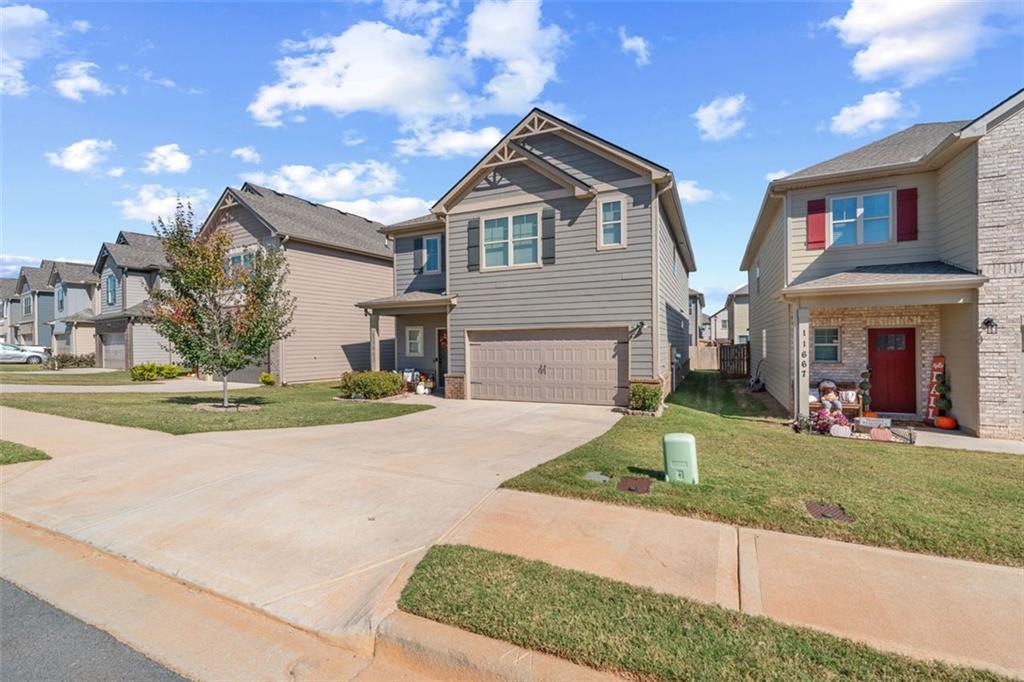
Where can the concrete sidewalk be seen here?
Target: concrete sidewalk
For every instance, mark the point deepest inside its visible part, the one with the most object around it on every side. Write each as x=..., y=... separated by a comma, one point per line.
x=183, y=385
x=923, y=606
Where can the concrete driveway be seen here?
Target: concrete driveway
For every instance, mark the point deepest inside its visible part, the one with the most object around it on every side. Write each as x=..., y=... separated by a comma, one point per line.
x=318, y=526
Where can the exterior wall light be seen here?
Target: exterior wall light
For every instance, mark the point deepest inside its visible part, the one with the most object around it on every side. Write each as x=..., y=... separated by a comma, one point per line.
x=990, y=325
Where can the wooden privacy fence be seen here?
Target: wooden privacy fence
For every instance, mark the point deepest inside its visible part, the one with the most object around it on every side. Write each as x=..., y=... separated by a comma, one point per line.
x=703, y=357
x=734, y=360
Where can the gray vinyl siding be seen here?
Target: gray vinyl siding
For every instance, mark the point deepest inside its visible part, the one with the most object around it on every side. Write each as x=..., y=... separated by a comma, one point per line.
x=771, y=316
x=118, y=304
x=76, y=299
x=430, y=324
x=958, y=341
x=44, y=314
x=673, y=292
x=581, y=163
x=583, y=286
x=406, y=277
x=147, y=345
x=136, y=288
x=511, y=182
x=958, y=210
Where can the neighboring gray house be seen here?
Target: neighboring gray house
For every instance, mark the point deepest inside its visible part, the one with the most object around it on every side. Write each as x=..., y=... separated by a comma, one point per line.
x=34, y=306
x=737, y=304
x=890, y=255
x=695, y=311
x=555, y=270
x=335, y=259
x=129, y=269
x=8, y=300
x=76, y=301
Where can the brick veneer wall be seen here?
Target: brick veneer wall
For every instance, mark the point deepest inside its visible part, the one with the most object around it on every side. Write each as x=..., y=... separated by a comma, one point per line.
x=853, y=324
x=455, y=386
x=1001, y=259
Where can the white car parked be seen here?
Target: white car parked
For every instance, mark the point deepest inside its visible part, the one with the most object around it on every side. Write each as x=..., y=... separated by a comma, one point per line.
x=32, y=355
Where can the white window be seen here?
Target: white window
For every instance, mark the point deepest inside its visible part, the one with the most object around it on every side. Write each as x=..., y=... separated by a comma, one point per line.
x=414, y=342
x=26, y=304
x=432, y=254
x=611, y=227
x=512, y=241
x=826, y=344
x=241, y=260
x=861, y=219
x=725, y=324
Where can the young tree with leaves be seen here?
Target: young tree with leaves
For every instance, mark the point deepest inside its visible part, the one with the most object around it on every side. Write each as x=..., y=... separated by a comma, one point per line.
x=219, y=313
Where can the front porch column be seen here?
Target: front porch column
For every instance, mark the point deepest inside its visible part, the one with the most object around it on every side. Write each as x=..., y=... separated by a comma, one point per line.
x=802, y=367
x=375, y=342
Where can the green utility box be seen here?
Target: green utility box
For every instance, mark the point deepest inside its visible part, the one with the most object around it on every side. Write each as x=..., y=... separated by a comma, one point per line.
x=680, y=458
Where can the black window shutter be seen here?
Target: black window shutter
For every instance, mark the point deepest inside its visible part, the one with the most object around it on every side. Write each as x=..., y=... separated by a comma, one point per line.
x=417, y=255
x=547, y=233
x=444, y=253
x=473, y=245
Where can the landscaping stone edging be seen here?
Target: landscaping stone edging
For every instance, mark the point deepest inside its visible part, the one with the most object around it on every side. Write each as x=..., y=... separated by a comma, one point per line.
x=641, y=413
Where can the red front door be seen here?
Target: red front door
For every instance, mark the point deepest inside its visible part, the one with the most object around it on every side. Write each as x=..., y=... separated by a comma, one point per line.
x=891, y=357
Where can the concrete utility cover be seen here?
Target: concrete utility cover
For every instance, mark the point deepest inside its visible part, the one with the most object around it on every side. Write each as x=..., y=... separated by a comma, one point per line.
x=596, y=476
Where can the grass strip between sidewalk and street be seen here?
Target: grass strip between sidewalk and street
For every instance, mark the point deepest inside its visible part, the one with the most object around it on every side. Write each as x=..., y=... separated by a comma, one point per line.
x=635, y=631
x=756, y=472
x=50, y=377
x=14, y=453
x=280, y=407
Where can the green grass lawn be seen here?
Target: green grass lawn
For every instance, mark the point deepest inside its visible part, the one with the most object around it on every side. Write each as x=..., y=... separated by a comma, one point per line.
x=116, y=378
x=634, y=631
x=12, y=453
x=21, y=368
x=302, y=405
x=755, y=471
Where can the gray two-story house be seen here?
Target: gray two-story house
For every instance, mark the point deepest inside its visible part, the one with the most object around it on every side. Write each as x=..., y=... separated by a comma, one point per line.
x=129, y=268
x=34, y=307
x=75, y=303
x=555, y=270
x=8, y=301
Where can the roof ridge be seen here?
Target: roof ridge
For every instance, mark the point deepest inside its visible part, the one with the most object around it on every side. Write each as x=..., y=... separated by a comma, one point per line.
x=316, y=204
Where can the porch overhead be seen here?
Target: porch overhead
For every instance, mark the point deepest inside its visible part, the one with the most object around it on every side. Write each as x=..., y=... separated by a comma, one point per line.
x=412, y=302
x=931, y=282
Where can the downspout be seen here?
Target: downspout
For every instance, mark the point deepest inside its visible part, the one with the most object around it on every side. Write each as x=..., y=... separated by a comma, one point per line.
x=280, y=343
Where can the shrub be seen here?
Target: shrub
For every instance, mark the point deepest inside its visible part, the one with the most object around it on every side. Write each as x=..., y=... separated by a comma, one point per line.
x=267, y=379
x=147, y=371
x=371, y=385
x=645, y=397
x=169, y=371
x=67, y=360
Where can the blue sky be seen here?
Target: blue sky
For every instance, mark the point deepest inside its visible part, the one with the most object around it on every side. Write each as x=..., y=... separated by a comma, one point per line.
x=111, y=110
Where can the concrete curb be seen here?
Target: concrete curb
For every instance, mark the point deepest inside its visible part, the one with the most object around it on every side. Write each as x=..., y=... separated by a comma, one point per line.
x=434, y=650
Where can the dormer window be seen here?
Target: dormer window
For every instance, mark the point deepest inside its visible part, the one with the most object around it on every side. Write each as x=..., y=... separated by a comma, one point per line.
x=111, y=289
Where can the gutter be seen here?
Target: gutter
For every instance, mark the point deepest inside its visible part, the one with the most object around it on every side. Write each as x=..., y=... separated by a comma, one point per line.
x=975, y=282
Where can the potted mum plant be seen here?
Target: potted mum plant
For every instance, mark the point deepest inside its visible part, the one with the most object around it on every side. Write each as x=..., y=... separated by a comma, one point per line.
x=944, y=403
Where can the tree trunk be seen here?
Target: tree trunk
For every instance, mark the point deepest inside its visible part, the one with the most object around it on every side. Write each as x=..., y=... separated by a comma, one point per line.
x=224, y=378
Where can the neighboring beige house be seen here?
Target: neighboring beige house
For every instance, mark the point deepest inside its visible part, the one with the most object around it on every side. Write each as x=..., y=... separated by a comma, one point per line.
x=8, y=301
x=737, y=305
x=901, y=250
x=555, y=270
x=695, y=312
x=129, y=268
x=335, y=259
x=718, y=326
x=76, y=302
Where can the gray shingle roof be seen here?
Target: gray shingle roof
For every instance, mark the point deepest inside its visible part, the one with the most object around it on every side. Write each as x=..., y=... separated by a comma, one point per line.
x=8, y=288
x=408, y=298
x=929, y=272
x=423, y=220
x=38, y=278
x=906, y=146
x=137, y=251
x=742, y=291
x=306, y=220
x=84, y=315
x=144, y=309
x=75, y=273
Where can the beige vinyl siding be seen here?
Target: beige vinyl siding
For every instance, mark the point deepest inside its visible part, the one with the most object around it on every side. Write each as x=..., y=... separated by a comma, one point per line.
x=806, y=265
x=331, y=335
x=147, y=345
x=428, y=361
x=957, y=187
x=84, y=340
x=958, y=342
x=406, y=277
x=583, y=287
x=136, y=288
x=673, y=292
x=244, y=227
x=769, y=318
x=118, y=304
x=739, y=318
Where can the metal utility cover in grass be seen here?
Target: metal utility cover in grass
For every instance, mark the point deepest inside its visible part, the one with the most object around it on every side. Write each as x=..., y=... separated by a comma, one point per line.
x=640, y=485
x=824, y=510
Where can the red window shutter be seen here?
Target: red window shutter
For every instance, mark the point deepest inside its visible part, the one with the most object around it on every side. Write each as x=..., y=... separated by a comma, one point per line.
x=906, y=215
x=816, y=224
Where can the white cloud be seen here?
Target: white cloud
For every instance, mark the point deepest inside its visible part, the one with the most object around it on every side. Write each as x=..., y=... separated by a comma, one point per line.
x=10, y=265
x=81, y=156
x=115, y=172
x=352, y=138
x=430, y=15
x=167, y=158
x=387, y=210
x=871, y=113
x=337, y=182
x=156, y=201
x=913, y=39
x=721, y=118
x=247, y=154
x=775, y=175
x=25, y=34
x=635, y=45
x=73, y=79
x=447, y=142
x=81, y=26
x=150, y=77
x=690, y=193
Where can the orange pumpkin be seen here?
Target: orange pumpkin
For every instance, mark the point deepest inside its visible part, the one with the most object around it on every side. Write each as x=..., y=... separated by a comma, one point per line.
x=945, y=422
x=870, y=414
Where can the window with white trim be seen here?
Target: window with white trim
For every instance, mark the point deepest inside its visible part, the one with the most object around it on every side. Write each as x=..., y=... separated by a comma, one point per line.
x=432, y=254
x=757, y=276
x=826, y=344
x=611, y=229
x=242, y=259
x=511, y=241
x=26, y=304
x=414, y=342
x=861, y=219
x=111, y=290
x=60, y=300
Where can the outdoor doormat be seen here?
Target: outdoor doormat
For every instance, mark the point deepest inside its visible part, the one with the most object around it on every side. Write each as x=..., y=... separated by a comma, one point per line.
x=641, y=485
x=824, y=510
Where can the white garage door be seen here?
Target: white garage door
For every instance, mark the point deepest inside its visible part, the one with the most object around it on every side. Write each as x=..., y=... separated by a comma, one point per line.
x=112, y=345
x=554, y=366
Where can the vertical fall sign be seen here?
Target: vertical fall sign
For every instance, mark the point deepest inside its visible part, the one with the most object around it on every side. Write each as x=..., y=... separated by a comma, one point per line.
x=938, y=367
